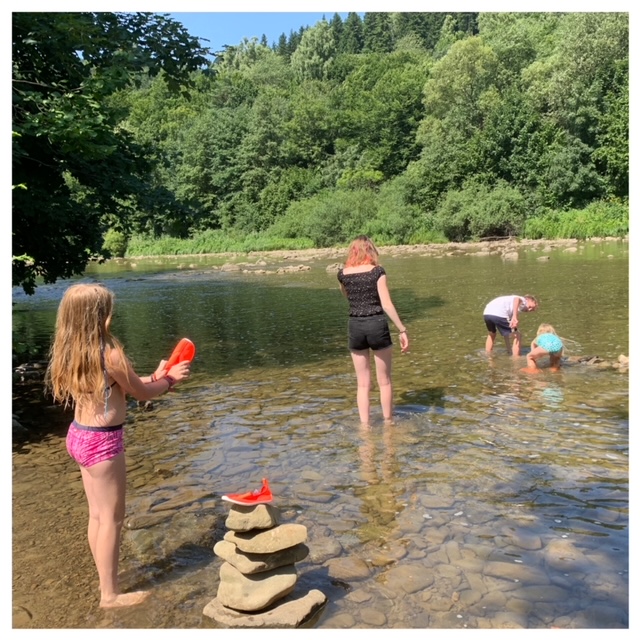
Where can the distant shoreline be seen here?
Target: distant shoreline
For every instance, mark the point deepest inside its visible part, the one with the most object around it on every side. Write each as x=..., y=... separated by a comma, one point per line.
x=450, y=248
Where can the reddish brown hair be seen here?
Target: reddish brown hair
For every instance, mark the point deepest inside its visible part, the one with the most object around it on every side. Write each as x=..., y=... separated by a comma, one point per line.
x=361, y=251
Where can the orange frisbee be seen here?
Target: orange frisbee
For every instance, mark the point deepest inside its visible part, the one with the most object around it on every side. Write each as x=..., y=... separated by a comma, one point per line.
x=184, y=351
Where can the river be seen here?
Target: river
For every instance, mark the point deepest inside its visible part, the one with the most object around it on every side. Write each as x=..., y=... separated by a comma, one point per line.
x=497, y=499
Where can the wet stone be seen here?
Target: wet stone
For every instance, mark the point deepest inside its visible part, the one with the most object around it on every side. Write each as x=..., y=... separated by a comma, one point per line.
x=184, y=498
x=500, y=584
x=246, y=518
x=439, y=556
x=316, y=496
x=287, y=614
x=600, y=616
x=440, y=603
x=408, y=578
x=469, y=597
x=276, y=539
x=324, y=548
x=517, y=572
x=308, y=474
x=493, y=601
x=250, y=563
x=453, y=550
x=253, y=593
x=359, y=596
x=348, y=568
x=373, y=617
x=437, y=502
x=562, y=555
x=537, y=593
x=519, y=606
x=145, y=521
x=448, y=571
x=388, y=555
x=605, y=585
x=524, y=540
x=436, y=535
x=340, y=621
x=508, y=620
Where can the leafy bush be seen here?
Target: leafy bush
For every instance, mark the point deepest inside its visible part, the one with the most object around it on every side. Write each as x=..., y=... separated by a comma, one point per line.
x=327, y=219
x=115, y=243
x=478, y=210
x=598, y=220
x=395, y=221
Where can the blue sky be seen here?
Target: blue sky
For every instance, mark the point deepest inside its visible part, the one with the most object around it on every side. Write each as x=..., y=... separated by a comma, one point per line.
x=231, y=28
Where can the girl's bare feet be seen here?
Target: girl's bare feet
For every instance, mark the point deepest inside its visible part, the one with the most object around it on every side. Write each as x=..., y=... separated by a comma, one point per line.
x=531, y=370
x=125, y=599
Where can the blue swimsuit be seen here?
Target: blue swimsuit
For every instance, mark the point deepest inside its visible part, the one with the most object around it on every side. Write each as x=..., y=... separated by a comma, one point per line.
x=549, y=342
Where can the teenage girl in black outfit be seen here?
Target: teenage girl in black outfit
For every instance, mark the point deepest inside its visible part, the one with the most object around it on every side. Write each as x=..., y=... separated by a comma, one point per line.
x=364, y=282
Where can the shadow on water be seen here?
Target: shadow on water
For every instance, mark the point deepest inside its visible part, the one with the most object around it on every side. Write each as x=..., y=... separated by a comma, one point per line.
x=420, y=400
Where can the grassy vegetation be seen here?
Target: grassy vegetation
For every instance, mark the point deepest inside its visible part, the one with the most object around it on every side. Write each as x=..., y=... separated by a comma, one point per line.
x=210, y=241
x=598, y=220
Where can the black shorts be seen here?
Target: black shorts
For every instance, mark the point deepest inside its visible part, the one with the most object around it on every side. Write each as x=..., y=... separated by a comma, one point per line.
x=494, y=323
x=369, y=332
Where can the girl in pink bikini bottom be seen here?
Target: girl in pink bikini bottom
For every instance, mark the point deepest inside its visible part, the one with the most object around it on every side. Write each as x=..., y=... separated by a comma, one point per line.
x=90, y=445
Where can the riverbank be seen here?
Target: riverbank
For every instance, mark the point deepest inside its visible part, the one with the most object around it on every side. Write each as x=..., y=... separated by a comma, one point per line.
x=485, y=247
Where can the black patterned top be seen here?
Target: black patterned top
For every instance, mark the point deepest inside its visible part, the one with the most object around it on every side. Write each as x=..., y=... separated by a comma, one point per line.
x=362, y=291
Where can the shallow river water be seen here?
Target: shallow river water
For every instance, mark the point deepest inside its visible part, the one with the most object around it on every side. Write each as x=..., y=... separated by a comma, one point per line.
x=497, y=499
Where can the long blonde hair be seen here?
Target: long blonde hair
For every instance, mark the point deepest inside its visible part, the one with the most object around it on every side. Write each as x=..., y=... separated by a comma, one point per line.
x=361, y=251
x=82, y=342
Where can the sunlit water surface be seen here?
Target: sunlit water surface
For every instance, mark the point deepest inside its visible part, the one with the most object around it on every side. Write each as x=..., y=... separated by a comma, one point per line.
x=496, y=500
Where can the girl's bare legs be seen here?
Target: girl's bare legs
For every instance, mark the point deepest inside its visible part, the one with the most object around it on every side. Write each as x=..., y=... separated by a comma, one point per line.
x=383, y=359
x=363, y=377
x=532, y=358
x=554, y=361
x=104, y=485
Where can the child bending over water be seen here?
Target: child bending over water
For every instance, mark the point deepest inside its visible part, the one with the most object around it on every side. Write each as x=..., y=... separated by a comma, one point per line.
x=546, y=342
x=88, y=369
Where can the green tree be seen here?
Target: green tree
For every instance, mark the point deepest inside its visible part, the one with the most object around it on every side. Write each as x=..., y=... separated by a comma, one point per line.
x=426, y=26
x=243, y=55
x=77, y=165
x=612, y=152
x=282, y=49
x=448, y=35
x=352, y=35
x=311, y=131
x=518, y=39
x=377, y=32
x=337, y=29
x=315, y=53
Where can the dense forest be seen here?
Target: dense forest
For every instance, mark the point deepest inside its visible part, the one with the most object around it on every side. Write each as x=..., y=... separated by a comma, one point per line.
x=129, y=138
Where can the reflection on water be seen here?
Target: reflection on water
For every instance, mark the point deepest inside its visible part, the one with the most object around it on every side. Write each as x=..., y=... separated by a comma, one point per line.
x=496, y=500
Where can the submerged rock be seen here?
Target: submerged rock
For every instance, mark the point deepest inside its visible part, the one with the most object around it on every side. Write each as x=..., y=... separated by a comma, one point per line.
x=288, y=614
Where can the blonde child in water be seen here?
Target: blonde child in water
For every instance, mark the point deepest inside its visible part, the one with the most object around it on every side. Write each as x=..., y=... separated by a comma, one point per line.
x=89, y=370
x=546, y=342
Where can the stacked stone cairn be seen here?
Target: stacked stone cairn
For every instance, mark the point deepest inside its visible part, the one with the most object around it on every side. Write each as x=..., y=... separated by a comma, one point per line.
x=258, y=575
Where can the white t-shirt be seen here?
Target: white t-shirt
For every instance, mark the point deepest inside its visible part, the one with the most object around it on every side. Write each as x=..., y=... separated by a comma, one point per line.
x=502, y=307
